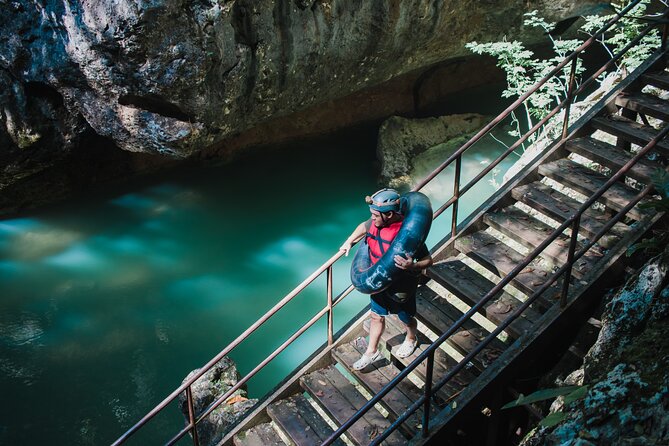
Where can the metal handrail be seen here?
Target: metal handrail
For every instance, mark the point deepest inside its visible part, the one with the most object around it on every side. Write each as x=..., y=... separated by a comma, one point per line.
x=428, y=353
x=327, y=268
x=573, y=221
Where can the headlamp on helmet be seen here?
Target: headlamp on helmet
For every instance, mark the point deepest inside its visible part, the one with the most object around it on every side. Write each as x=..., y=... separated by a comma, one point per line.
x=384, y=200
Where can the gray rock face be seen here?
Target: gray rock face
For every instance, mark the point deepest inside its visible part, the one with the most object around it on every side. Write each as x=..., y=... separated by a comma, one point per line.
x=401, y=140
x=626, y=370
x=170, y=77
x=173, y=77
x=209, y=387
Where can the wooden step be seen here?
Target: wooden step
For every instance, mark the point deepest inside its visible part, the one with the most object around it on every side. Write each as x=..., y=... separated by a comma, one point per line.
x=631, y=131
x=393, y=336
x=340, y=400
x=300, y=421
x=469, y=286
x=612, y=157
x=658, y=79
x=587, y=182
x=531, y=232
x=260, y=435
x=500, y=259
x=375, y=377
x=559, y=207
x=439, y=315
x=644, y=103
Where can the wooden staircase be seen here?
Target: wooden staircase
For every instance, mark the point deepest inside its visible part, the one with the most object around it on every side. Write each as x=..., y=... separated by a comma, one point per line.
x=489, y=246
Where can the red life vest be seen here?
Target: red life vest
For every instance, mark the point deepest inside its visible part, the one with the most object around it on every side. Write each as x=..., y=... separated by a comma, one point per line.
x=379, y=239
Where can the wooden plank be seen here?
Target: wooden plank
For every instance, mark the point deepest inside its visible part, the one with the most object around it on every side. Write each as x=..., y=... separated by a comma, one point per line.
x=393, y=336
x=300, y=421
x=501, y=259
x=631, y=131
x=339, y=398
x=259, y=435
x=531, y=232
x=658, y=79
x=434, y=303
x=470, y=287
x=467, y=337
x=443, y=363
x=644, y=103
x=559, y=207
x=376, y=377
x=587, y=182
x=612, y=157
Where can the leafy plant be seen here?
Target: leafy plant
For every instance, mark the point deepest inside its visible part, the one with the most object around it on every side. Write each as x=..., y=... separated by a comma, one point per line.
x=570, y=393
x=660, y=239
x=523, y=68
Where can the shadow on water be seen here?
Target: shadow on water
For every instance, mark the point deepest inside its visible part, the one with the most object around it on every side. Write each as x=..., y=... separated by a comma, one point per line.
x=110, y=300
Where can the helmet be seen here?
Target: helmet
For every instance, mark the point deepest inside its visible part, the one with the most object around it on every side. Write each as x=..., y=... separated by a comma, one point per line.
x=385, y=200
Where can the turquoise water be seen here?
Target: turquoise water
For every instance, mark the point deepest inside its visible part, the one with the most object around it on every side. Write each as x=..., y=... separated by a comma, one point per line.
x=109, y=301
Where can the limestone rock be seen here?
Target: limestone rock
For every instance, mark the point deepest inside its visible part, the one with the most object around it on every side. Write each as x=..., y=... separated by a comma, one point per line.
x=401, y=140
x=209, y=387
x=172, y=78
x=626, y=370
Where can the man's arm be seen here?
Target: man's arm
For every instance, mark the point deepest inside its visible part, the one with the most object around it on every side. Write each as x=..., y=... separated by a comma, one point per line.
x=357, y=234
x=408, y=264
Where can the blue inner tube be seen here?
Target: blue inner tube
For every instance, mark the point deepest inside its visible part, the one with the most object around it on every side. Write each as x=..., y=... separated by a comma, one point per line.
x=370, y=279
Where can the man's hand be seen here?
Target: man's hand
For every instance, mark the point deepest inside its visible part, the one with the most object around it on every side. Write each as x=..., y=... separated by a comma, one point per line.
x=405, y=263
x=346, y=247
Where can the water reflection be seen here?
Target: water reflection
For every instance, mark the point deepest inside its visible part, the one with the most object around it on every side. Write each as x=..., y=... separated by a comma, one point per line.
x=106, y=305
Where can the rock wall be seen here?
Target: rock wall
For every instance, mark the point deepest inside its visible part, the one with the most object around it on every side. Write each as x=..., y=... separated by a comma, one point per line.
x=174, y=78
x=626, y=371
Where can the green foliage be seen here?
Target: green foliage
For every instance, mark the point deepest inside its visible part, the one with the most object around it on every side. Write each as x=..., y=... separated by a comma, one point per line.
x=660, y=239
x=523, y=68
x=541, y=395
x=570, y=393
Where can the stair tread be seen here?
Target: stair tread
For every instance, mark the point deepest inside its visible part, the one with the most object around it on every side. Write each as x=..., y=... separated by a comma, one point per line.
x=340, y=399
x=300, y=421
x=375, y=377
x=658, y=79
x=644, y=103
x=559, y=207
x=393, y=336
x=501, y=259
x=260, y=435
x=470, y=287
x=439, y=315
x=587, y=182
x=612, y=157
x=531, y=232
x=630, y=130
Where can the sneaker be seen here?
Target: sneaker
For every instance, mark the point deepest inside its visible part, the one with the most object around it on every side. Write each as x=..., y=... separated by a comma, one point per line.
x=365, y=360
x=407, y=348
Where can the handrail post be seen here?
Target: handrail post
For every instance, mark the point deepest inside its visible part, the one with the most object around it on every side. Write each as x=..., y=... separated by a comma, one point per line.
x=570, y=98
x=456, y=194
x=428, y=395
x=191, y=416
x=665, y=31
x=570, y=260
x=330, y=315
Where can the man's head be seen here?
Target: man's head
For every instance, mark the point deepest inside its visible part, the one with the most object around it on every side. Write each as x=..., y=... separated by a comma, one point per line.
x=384, y=206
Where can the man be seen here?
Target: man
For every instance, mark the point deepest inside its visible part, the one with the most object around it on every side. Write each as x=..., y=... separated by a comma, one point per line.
x=400, y=297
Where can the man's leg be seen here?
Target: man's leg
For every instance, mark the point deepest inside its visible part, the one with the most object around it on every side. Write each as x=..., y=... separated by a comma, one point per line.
x=412, y=329
x=376, y=327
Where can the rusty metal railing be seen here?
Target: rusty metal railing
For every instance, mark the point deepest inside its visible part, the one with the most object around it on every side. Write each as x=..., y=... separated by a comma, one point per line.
x=573, y=223
x=327, y=269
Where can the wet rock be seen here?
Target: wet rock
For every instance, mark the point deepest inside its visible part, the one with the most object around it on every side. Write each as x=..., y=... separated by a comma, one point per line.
x=402, y=140
x=208, y=388
x=172, y=79
x=626, y=371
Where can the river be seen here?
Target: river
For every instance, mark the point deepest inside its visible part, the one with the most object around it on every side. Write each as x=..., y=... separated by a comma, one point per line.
x=109, y=300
